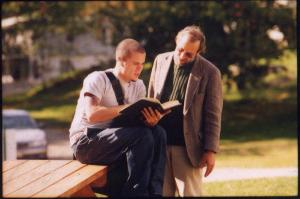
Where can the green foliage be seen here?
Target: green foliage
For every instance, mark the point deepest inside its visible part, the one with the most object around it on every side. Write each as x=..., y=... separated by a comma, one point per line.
x=259, y=119
x=259, y=128
x=280, y=186
x=43, y=17
x=54, y=101
x=236, y=31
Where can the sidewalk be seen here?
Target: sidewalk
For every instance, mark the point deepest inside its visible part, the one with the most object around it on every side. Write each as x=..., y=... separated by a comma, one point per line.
x=223, y=174
x=58, y=147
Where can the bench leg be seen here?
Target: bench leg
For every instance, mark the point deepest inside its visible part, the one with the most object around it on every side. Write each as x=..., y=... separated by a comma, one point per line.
x=99, y=182
x=85, y=192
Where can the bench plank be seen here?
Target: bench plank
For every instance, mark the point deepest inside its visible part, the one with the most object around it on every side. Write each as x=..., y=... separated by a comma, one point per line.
x=31, y=176
x=48, y=179
x=11, y=164
x=21, y=169
x=74, y=182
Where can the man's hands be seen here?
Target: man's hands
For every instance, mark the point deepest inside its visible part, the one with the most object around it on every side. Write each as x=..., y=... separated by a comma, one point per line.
x=208, y=160
x=152, y=117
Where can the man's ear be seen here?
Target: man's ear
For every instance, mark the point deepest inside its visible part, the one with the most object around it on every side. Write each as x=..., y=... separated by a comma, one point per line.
x=121, y=61
x=124, y=61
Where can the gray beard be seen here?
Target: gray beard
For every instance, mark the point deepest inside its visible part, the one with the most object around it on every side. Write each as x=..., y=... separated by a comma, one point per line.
x=186, y=64
x=176, y=62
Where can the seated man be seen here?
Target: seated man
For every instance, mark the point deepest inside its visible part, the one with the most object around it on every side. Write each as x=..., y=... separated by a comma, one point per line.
x=95, y=141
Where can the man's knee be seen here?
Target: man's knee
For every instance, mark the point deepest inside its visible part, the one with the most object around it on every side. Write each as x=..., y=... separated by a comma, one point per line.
x=147, y=137
x=82, y=158
x=160, y=133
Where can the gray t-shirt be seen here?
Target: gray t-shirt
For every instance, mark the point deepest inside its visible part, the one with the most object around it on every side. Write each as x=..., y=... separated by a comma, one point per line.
x=98, y=84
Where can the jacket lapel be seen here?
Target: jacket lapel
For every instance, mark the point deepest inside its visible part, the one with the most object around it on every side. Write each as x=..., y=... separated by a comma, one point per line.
x=192, y=85
x=165, y=66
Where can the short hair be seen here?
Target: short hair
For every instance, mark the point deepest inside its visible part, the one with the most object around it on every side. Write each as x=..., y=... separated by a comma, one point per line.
x=196, y=34
x=126, y=47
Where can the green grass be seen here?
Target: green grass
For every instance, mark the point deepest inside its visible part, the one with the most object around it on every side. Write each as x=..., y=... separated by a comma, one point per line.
x=263, y=154
x=277, y=85
x=260, y=131
x=53, y=103
x=259, y=126
x=288, y=60
x=98, y=195
x=55, y=116
x=279, y=186
x=259, y=120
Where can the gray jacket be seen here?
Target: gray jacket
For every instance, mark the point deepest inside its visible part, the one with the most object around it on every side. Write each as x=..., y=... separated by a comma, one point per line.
x=202, y=107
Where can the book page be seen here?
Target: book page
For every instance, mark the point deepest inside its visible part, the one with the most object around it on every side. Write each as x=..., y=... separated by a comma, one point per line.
x=170, y=104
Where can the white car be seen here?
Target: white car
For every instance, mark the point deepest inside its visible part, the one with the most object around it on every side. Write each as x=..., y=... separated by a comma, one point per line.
x=22, y=136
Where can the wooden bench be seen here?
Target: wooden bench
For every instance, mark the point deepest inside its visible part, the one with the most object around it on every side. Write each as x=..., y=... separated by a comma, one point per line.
x=51, y=178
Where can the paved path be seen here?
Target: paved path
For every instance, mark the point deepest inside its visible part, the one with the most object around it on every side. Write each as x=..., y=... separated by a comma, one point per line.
x=58, y=144
x=222, y=174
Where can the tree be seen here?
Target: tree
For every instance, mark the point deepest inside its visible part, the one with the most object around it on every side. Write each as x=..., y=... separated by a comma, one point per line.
x=34, y=20
x=237, y=32
x=44, y=16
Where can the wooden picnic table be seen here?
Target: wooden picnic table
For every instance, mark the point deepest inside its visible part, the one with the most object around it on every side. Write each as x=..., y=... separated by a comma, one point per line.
x=51, y=178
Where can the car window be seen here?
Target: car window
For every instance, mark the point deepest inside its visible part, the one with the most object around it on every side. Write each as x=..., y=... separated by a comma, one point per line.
x=18, y=122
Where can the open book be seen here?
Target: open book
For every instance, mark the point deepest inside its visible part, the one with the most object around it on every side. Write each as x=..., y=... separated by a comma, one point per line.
x=132, y=114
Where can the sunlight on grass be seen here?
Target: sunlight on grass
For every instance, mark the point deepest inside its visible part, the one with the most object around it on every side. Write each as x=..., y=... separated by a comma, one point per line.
x=279, y=186
x=283, y=79
x=271, y=94
x=267, y=153
x=289, y=60
x=233, y=94
x=98, y=195
x=72, y=94
x=259, y=126
x=147, y=66
x=59, y=113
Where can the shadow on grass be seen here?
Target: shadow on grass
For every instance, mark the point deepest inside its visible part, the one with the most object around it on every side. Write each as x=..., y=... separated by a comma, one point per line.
x=259, y=120
x=243, y=152
x=256, y=118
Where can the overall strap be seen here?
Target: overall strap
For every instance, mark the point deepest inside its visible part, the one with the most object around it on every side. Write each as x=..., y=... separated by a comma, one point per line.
x=116, y=87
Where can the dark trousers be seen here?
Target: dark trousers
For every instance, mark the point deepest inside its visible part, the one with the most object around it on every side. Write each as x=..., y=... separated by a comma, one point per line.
x=145, y=150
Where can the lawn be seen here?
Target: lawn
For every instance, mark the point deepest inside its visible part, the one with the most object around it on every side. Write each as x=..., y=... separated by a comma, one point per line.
x=274, y=153
x=259, y=126
x=279, y=186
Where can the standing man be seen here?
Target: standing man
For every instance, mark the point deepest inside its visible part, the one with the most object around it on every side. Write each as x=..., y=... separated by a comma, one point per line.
x=193, y=129
x=94, y=141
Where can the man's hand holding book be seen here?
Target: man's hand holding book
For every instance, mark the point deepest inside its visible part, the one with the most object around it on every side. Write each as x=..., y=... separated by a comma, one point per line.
x=152, y=116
